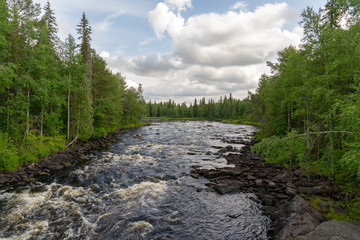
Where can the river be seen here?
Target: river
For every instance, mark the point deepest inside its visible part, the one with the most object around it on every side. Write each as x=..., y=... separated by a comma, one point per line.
x=138, y=188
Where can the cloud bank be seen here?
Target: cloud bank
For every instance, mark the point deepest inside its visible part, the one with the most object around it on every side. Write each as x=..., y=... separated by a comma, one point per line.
x=212, y=54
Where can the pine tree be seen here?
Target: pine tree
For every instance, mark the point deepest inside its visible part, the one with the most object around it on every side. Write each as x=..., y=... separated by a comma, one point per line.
x=50, y=22
x=85, y=109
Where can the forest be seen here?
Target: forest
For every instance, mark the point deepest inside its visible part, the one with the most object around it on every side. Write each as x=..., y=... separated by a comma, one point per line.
x=54, y=92
x=309, y=106
x=225, y=108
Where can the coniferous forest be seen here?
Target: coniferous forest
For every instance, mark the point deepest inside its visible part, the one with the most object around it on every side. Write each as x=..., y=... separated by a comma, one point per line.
x=53, y=92
x=309, y=106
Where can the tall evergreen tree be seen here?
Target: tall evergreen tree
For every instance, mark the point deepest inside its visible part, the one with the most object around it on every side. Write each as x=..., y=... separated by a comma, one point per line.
x=50, y=22
x=85, y=109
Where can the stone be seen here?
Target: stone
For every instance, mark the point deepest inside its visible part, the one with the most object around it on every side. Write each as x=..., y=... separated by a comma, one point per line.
x=272, y=185
x=338, y=209
x=229, y=172
x=223, y=150
x=268, y=200
x=195, y=175
x=251, y=177
x=282, y=178
x=225, y=188
x=229, y=147
x=324, y=191
x=292, y=191
x=258, y=182
x=67, y=164
x=299, y=173
x=334, y=230
x=303, y=219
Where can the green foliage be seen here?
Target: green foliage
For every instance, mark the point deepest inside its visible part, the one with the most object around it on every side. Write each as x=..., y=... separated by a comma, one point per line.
x=50, y=88
x=283, y=150
x=99, y=132
x=9, y=158
x=350, y=161
x=309, y=106
x=227, y=108
x=40, y=146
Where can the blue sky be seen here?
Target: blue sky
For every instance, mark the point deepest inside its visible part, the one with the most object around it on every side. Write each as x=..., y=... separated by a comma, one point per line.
x=182, y=49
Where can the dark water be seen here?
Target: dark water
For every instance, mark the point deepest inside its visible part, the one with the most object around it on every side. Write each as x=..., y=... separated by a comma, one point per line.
x=139, y=188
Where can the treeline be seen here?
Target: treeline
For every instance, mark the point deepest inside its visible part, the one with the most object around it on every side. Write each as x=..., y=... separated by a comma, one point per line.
x=51, y=91
x=309, y=106
x=224, y=108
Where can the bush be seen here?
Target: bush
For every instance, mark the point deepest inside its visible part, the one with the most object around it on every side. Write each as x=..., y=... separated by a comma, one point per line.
x=9, y=158
x=286, y=150
x=99, y=133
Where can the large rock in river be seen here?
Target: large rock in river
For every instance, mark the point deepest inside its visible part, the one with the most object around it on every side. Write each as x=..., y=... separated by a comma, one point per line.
x=332, y=230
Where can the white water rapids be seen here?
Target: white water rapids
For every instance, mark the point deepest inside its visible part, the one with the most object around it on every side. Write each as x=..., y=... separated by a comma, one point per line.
x=139, y=188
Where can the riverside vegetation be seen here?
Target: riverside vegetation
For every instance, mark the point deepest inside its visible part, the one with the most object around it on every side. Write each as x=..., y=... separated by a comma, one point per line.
x=308, y=107
x=54, y=92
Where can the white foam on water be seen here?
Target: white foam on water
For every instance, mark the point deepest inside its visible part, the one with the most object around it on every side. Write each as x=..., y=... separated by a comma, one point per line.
x=141, y=227
x=138, y=158
x=34, y=229
x=143, y=194
x=60, y=199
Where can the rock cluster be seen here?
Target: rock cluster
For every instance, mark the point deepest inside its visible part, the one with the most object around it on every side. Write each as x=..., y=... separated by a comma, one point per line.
x=279, y=190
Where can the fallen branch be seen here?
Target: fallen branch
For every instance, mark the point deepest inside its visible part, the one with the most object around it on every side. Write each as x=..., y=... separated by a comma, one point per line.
x=72, y=141
x=324, y=132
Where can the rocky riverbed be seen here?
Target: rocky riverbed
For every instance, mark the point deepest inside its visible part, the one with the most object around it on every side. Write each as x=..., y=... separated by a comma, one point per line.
x=282, y=192
x=57, y=161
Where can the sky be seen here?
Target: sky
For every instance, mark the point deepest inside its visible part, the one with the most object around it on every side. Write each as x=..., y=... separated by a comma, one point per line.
x=187, y=49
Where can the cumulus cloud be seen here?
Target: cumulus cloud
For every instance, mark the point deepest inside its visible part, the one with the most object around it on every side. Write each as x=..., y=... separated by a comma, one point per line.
x=153, y=65
x=213, y=54
x=239, y=5
x=163, y=19
x=232, y=38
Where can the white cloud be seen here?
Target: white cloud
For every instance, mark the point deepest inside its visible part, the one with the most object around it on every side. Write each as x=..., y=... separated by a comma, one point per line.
x=105, y=54
x=102, y=27
x=179, y=5
x=213, y=54
x=232, y=38
x=239, y=5
x=163, y=19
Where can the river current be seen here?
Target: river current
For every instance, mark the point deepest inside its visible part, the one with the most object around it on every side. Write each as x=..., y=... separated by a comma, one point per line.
x=138, y=188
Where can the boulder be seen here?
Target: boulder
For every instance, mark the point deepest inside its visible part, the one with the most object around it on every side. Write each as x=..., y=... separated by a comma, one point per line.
x=229, y=172
x=333, y=230
x=303, y=219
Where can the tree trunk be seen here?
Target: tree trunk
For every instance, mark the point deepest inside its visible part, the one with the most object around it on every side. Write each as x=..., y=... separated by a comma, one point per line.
x=27, y=131
x=42, y=121
x=68, y=116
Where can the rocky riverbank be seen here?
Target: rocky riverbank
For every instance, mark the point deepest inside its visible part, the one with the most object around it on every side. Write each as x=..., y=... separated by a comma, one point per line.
x=62, y=159
x=281, y=192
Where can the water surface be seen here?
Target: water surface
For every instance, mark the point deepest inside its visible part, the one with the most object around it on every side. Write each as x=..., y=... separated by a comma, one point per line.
x=139, y=188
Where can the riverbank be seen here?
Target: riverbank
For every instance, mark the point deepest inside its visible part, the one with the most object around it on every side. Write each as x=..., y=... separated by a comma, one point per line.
x=74, y=154
x=284, y=194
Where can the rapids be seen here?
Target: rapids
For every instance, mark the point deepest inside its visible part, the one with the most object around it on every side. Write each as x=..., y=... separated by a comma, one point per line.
x=139, y=188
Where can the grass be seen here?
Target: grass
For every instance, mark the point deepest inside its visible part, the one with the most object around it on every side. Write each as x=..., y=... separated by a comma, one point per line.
x=13, y=156
x=351, y=209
